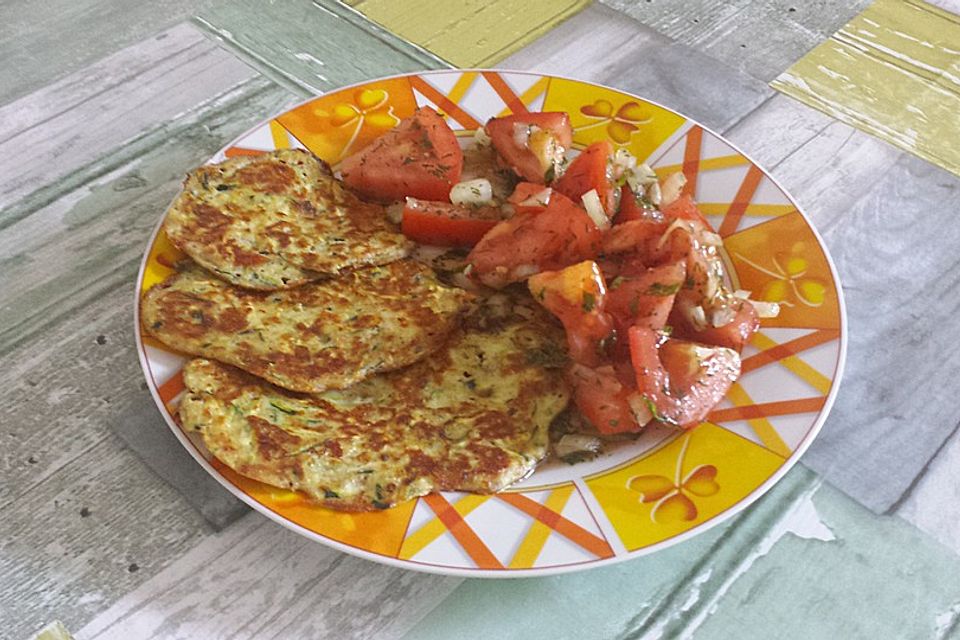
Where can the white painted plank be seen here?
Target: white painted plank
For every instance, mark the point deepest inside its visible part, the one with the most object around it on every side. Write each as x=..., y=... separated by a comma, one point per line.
x=84, y=116
x=258, y=580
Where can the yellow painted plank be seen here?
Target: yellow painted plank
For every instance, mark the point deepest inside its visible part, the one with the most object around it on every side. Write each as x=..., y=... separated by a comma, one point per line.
x=472, y=33
x=893, y=71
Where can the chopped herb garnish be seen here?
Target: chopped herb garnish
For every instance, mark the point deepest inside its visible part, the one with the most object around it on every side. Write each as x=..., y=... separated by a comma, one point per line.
x=589, y=301
x=283, y=409
x=660, y=289
x=330, y=494
x=550, y=174
x=616, y=282
x=224, y=187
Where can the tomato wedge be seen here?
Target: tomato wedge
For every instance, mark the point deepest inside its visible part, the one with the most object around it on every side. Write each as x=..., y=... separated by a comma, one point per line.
x=589, y=171
x=447, y=225
x=681, y=381
x=645, y=299
x=531, y=144
x=684, y=208
x=528, y=243
x=577, y=296
x=529, y=197
x=420, y=157
x=733, y=335
x=602, y=398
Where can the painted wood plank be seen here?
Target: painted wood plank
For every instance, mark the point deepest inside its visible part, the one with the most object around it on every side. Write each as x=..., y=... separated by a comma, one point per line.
x=767, y=574
x=932, y=502
x=475, y=33
x=262, y=581
x=41, y=43
x=891, y=71
x=311, y=47
x=758, y=37
x=634, y=58
x=87, y=114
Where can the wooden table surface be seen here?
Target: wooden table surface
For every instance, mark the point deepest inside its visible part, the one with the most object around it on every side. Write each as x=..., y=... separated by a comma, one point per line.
x=105, y=105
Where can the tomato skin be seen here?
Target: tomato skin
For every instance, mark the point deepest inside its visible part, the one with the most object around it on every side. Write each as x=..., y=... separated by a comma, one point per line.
x=682, y=380
x=528, y=243
x=630, y=207
x=734, y=335
x=532, y=160
x=577, y=296
x=445, y=224
x=420, y=157
x=645, y=299
x=602, y=398
x=529, y=197
x=684, y=208
x=589, y=171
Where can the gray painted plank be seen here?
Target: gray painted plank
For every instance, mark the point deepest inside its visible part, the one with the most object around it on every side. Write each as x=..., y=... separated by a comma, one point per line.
x=262, y=581
x=311, y=47
x=758, y=37
x=86, y=115
x=40, y=43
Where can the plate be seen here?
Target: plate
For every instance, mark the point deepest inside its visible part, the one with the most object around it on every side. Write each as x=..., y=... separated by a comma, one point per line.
x=639, y=497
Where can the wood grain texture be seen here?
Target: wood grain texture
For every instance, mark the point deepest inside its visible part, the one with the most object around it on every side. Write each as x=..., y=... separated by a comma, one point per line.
x=40, y=43
x=634, y=58
x=758, y=37
x=311, y=47
x=471, y=33
x=261, y=581
x=88, y=114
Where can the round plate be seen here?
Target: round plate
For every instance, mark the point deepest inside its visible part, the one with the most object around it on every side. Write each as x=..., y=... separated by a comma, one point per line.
x=639, y=497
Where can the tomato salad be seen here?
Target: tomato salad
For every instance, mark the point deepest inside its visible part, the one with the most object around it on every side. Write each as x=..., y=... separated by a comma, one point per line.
x=621, y=256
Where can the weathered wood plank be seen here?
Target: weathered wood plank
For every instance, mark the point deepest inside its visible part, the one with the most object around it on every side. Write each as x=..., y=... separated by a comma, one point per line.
x=311, y=47
x=634, y=58
x=39, y=44
x=758, y=37
x=86, y=115
x=932, y=502
x=262, y=581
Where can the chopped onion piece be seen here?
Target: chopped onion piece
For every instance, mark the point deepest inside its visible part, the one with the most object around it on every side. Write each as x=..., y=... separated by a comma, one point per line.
x=766, y=309
x=395, y=212
x=640, y=177
x=521, y=133
x=713, y=285
x=697, y=317
x=524, y=271
x=472, y=192
x=481, y=138
x=722, y=317
x=591, y=202
x=640, y=407
x=577, y=443
x=743, y=294
x=711, y=239
x=676, y=224
x=672, y=187
x=655, y=194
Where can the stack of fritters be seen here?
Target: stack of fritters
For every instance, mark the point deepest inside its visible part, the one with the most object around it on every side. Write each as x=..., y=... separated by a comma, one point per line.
x=365, y=381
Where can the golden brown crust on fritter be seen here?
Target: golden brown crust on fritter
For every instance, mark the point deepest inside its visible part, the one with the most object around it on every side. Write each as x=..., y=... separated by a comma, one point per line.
x=278, y=220
x=323, y=335
x=472, y=417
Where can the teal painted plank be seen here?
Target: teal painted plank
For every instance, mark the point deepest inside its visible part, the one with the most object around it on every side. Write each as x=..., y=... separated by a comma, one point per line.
x=777, y=571
x=311, y=47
